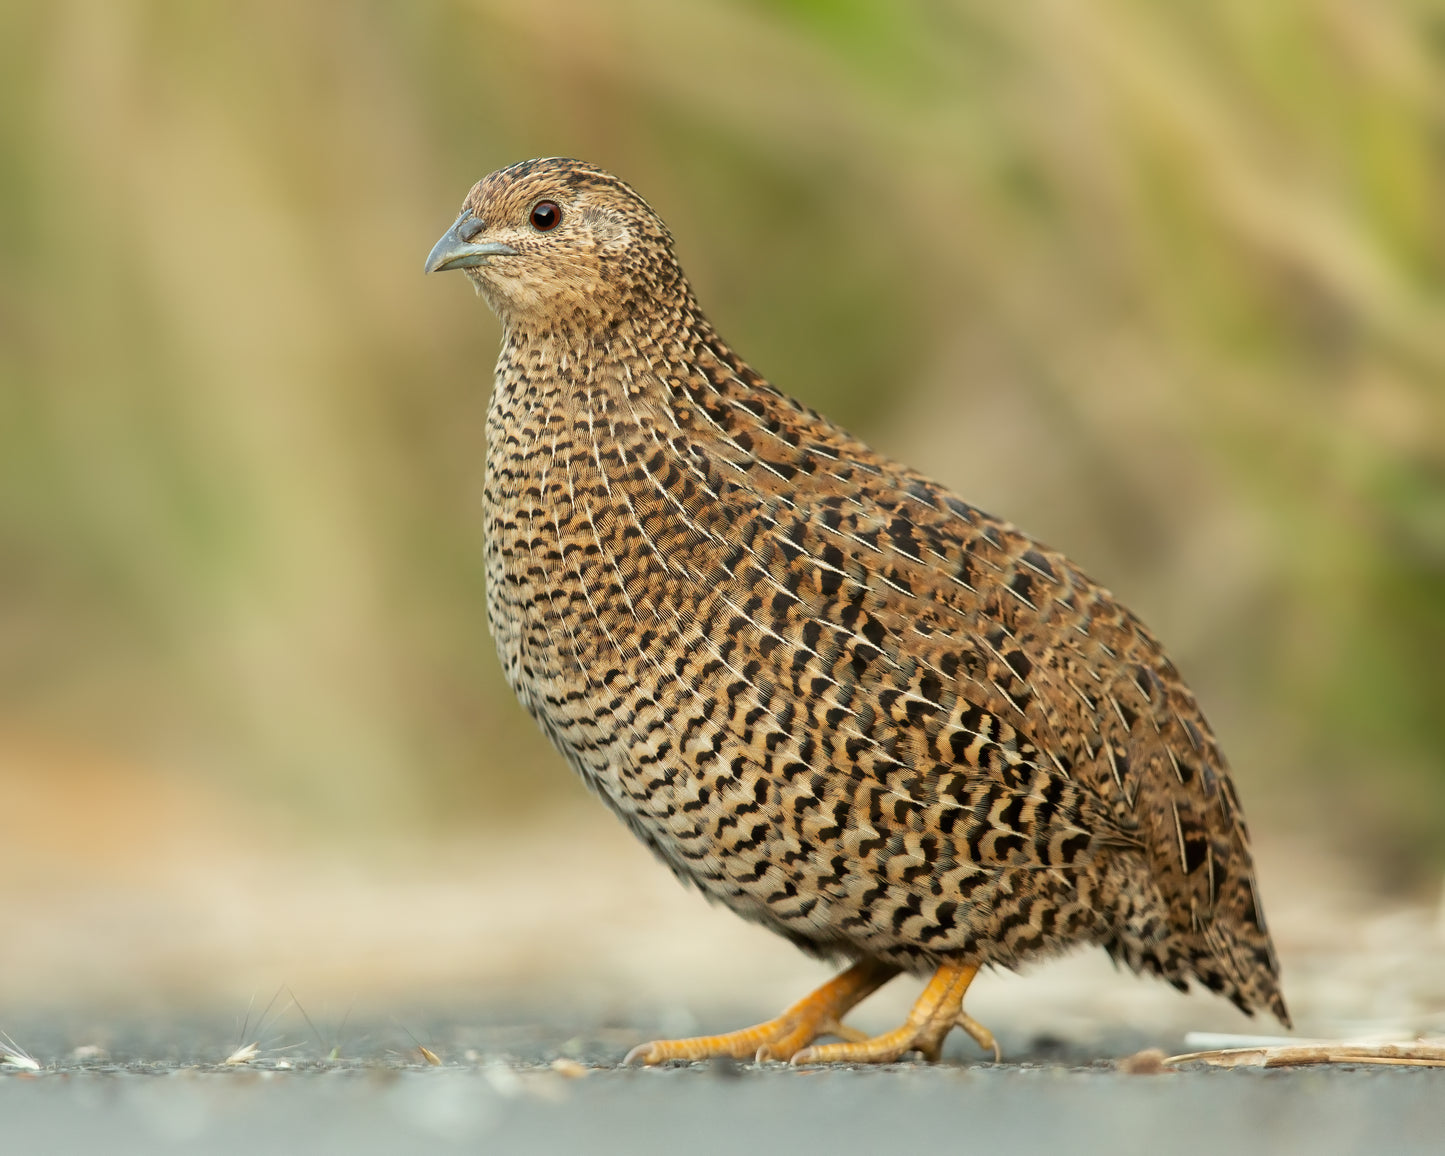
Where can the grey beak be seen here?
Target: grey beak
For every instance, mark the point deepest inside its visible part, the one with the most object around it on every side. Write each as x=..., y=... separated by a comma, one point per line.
x=456, y=250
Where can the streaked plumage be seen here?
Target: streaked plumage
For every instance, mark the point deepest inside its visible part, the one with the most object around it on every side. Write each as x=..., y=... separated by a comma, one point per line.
x=820, y=687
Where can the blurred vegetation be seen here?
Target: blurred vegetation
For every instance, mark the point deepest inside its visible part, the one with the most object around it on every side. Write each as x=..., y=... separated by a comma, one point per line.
x=1161, y=283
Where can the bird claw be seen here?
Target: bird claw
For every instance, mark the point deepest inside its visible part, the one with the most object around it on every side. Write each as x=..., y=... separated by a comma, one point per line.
x=643, y=1054
x=785, y=1049
x=981, y=1035
x=788, y=1038
x=815, y=1015
x=937, y=1012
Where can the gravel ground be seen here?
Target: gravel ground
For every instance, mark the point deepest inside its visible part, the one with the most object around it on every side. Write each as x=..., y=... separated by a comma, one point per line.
x=520, y=1088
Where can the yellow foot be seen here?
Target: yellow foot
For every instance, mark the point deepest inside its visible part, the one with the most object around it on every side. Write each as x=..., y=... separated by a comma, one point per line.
x=818, y=1014
x=938, y=1011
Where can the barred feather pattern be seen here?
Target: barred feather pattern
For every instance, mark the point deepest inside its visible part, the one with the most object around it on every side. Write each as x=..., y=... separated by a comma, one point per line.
x=820, y=687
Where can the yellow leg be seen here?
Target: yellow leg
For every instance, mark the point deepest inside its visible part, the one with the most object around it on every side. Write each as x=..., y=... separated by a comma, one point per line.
x=938, y=1011
x=819, y=1013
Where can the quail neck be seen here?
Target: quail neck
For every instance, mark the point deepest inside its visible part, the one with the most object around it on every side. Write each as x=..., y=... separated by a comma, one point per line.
x=823, y=689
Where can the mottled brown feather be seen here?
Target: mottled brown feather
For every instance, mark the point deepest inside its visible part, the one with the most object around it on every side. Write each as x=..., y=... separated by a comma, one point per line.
x=819, y=686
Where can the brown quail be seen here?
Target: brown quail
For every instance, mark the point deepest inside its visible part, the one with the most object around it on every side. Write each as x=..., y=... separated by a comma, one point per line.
x=820, y=687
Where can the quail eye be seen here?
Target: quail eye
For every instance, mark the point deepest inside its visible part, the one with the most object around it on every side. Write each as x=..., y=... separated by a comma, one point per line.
x=546, y=216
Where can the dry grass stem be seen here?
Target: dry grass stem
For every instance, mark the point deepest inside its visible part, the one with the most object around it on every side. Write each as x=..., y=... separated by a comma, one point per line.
x=1420, y=1054
x=12, y=1055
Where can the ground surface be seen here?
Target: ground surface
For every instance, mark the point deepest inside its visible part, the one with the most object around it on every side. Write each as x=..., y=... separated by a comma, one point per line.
x=151, y=935
x=521, y=1089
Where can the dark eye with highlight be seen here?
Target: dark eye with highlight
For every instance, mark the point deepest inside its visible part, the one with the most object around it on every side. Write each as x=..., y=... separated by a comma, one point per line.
x=546, y=216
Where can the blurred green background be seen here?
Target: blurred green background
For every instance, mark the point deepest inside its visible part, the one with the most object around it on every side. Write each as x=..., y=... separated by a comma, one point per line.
x=1163, y=284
